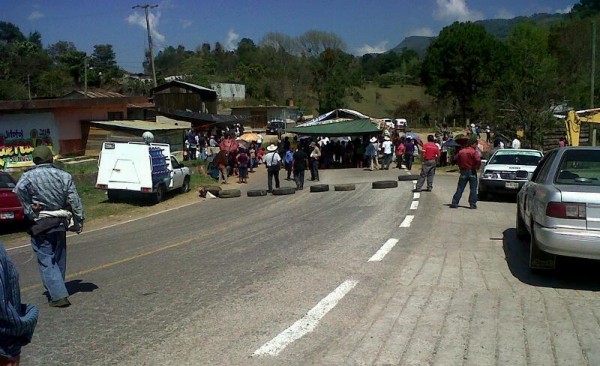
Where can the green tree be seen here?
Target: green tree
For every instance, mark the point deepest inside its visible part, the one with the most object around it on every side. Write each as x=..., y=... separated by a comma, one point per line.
x=586, y=8
x=104, y=62
x=461, y=63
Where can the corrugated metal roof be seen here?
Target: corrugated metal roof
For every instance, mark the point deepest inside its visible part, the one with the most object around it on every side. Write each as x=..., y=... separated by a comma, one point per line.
x=95, y=93
x=143, y=125
x=140, y=105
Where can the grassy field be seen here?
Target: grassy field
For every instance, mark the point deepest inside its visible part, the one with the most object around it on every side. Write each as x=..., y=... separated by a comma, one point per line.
x=389, y=99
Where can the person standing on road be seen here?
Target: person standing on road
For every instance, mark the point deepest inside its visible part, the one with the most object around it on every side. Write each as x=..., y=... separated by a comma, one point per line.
x=289, y=158
x=299, y=164
x=371, y=154
x=273, y=162
x=431, y=151
x=315, y=157
x=468, y=161
x=17, y=321
x=221, y=161
x=50, y=200
x=409, y=152
x=388, y=149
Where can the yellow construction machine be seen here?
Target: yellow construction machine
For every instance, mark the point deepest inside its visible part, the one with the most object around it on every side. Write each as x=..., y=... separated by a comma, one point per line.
x=575, y=119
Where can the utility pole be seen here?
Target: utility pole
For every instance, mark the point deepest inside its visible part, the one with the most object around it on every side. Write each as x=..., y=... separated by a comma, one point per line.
x=593, y=63
x=85, y=71
x=146, y=7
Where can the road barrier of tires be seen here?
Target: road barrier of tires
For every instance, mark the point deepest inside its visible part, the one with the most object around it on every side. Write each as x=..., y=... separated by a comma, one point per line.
x=384, y=184
x=230, y=193
x=344, y=187
x=282, y=191
x=319, y=188
x=408, y=177
x=257, y=193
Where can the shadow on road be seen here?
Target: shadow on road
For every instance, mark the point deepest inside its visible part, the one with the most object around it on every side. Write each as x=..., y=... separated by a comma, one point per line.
x=13, y=227
x=76, y=286
x=570, y=273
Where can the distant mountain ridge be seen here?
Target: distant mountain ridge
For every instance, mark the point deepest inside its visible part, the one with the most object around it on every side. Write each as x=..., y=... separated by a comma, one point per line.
x=499, y=28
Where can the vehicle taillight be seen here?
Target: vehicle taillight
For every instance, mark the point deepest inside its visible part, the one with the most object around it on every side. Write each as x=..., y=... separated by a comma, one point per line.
x=566, y=210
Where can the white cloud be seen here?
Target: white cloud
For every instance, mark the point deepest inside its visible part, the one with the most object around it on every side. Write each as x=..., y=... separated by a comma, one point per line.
x=456, y=10
x=424, y=32
x=139, y=18
x=36, y=14
x=186, y=23
x=381, y=47
x=504, y=14
x=565, y=10
x=231, y=41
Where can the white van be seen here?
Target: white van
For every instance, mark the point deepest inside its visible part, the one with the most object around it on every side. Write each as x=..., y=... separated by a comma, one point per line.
x=134, y=168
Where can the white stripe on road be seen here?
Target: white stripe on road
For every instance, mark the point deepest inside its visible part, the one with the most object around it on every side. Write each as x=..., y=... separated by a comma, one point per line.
x=384, y=250
x=416, y=196
x=308, y=323
x=414, y=181
x=407, y=221
x=414, y=205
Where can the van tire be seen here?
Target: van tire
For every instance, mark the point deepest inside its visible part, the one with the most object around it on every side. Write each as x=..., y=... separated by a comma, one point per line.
x=344, y=187
x=159, y=194
x=282, y=191
x=186, y=185
x=383, y=184
x=257, y=193
x=112, y=195
x=230, y=193
x=319, y=188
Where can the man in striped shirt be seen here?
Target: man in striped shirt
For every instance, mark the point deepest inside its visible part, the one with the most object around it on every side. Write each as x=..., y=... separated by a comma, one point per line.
x=17, y=321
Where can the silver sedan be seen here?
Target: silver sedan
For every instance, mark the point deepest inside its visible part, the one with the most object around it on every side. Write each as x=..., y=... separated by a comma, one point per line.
x=559, y=207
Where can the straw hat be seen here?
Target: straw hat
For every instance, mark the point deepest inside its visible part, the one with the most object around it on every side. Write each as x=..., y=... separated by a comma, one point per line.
x=271, y=147
x=373, y=139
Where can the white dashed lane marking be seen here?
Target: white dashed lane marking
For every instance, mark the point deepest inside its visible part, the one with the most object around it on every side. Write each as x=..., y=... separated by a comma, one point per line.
x=384, y=250
x=307, y=323
x=407, y=221
x=416, y=196
x=414, y=205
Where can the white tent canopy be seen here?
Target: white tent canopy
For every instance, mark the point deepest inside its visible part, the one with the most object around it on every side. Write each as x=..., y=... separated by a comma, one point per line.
x=336, y=115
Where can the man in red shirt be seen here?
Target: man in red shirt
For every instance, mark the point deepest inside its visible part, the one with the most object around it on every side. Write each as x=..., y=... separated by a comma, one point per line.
x=468, y=161
x=430, y=154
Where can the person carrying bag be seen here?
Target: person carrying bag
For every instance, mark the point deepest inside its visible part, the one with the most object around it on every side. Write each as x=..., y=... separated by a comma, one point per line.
x=273, y=162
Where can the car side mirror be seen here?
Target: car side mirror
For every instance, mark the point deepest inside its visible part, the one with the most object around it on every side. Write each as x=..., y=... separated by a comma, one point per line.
x=522, y=174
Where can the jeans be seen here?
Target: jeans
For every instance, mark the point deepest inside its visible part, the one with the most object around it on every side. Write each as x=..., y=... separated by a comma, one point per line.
x=272, y=174
x=387, y=161
x=314, y=169
x=51, y=252
x=466, y=176
x=427, y=171
x=408, y=160
x=374, y=163
x=288, y=168
x=299, y=178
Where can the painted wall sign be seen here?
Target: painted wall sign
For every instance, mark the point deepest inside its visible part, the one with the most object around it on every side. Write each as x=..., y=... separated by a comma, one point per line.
x=20, y=134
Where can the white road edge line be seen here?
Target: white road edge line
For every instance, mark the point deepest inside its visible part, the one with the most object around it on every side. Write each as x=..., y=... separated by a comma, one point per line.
x=307, y=323
x=414, y=181
x=414, y=205
x=407, y=221
x=416, y=196
x=384, y=250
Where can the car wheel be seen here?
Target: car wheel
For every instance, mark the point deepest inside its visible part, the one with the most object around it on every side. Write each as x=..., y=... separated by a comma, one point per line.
x=319, y=188
x=383, y=184
x=283, y=191
x=539, y=261
x=344, y=187
x=159, y=195
x=482, y=196
x=186, y=185
x=520, y=226
x=112, y=195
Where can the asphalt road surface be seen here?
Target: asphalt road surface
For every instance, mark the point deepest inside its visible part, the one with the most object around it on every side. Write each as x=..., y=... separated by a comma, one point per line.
x=365, y=277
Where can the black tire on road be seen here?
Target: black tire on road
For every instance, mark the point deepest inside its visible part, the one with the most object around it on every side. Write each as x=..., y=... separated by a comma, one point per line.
x=159, y=194
x=482, y=196
x=344, y=187
x=383, y=184
x=186, y=185
x=539, y=261
x=112, y=195
x=281, y=191
x=257, y=193
x=230, y=193
x=319, y=188
x=214, y=190
x=408, y=177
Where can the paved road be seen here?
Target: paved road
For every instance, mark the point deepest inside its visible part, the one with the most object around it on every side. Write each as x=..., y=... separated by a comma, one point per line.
x=327, y=278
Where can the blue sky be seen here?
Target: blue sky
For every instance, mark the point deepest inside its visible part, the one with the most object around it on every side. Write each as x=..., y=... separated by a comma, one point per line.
x=365, y=25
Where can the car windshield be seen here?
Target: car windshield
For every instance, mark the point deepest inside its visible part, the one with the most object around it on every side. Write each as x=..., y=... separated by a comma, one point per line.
x=579, y=167
x=523, y=158
x=6, y=181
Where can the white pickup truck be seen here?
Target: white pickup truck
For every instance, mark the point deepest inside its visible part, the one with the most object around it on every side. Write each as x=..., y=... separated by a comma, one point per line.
x=131, y=168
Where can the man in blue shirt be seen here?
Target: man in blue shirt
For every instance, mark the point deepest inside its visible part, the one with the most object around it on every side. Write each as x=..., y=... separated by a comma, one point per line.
x=17, y=321
x=50, y=200
x=289, y=158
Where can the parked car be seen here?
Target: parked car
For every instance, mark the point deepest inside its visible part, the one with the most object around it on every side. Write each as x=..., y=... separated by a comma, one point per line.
x=273, y=126
x=10, y=207
x=499, y=172
x=559, y=207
